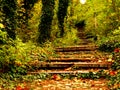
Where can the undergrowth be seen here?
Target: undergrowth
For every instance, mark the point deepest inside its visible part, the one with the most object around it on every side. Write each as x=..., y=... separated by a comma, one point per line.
x=110, y=42
x=114, y=80
x=70, y=38
x=15, y=56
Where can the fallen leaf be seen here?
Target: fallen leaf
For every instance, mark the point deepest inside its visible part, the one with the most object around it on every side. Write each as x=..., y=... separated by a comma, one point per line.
x=56, y=77
x=112, y=73
x=25, y=88
x=19, y=88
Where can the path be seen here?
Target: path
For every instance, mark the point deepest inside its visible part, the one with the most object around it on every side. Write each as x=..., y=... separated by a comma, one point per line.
x=75, y=60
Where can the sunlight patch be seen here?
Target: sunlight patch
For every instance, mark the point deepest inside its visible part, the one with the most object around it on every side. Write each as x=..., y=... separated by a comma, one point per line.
x=82, y=1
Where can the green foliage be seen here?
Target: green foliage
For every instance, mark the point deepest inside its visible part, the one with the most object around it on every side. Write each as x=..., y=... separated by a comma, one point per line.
x=54, y=27
x=111, y=42
x=11, y=80
x=116, y=57
x=114, y=78
x=3, y=36
x=91, y=75
x=27, y=20
x=70, y=38
x=100, y=21
x=28, y=31
x=16, y=56
x=114, y=81
x=24, y=11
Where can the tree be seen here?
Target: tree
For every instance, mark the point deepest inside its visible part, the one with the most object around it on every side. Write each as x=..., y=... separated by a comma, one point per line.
x=9, y=10
x=24, y=15
x=62, y=12
x=46, y=20
x=28, y=5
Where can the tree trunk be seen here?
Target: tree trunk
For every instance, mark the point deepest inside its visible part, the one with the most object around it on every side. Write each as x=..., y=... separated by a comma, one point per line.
x=46, y=20
x=62, y=12
x=9, y=10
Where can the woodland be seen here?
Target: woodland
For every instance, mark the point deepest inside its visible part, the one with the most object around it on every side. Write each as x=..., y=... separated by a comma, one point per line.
x=31, y=29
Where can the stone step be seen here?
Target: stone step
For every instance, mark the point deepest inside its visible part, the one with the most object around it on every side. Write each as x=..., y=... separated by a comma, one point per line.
x=76, y=48
x=75, y=52
x=73, y=64
x=74, y=55
x=75, y=59
x=66, y=72
x=78, y=58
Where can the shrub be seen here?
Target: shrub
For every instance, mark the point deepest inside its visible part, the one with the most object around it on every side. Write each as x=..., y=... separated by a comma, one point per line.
x=116, y=57
x=114, y=79
x=110, y=42
x=15, y=56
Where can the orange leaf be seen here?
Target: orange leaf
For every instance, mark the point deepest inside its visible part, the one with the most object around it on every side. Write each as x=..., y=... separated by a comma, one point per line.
x=56, y=77
x=19, y=88
x=26, y=88
x=112, y=73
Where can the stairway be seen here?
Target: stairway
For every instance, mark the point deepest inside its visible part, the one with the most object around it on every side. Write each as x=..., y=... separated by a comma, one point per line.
x=73, y=60
x=79, y=59
x=82, y=58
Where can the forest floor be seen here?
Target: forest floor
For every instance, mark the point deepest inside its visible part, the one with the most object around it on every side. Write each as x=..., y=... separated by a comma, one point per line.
x=65, y=84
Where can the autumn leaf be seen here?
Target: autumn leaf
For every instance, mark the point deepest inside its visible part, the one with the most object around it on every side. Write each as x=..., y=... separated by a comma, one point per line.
x=116, y=50
x=19, y=88
x=56, y=77
x=25, y=88
x=112, y=73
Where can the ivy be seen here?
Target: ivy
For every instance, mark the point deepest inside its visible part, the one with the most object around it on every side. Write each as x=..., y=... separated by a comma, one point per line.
x=62, y=12
x=46, y=20
x=28, y=5
x=24, y=11
x=9, y=8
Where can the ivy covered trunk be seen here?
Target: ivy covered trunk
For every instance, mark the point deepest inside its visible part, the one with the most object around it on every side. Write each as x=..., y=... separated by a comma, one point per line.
x=46, y=20
x=9, y=10
x=28, y=5
x=62, y=12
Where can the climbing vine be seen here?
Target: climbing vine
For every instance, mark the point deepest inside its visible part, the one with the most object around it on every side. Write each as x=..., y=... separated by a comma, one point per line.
x=9, y=8
x=24, y=15
x=46, y=20
x=27, y=6
x=62, y=12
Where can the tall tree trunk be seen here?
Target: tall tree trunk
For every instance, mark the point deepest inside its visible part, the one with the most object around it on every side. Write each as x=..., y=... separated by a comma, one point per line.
x=46, y=20
x=9, y=10
x=27, y=9
x=62, y=12
x=28, y=5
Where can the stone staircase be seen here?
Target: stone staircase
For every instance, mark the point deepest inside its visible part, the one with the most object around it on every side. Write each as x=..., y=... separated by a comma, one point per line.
x=79, y=60
x=82, y=58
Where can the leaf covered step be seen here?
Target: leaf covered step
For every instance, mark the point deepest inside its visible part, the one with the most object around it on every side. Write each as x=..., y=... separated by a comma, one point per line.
x=91, y=74
x=76, y=48
x=72, y=59
x=62, y=71
x=73, y=64
x=94, y=64
x=73, y=56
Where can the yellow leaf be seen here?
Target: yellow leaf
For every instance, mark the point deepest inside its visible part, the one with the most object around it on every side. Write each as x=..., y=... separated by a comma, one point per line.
x=1, y=25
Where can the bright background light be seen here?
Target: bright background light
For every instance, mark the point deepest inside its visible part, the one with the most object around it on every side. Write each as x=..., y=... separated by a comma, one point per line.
x=82, y=1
